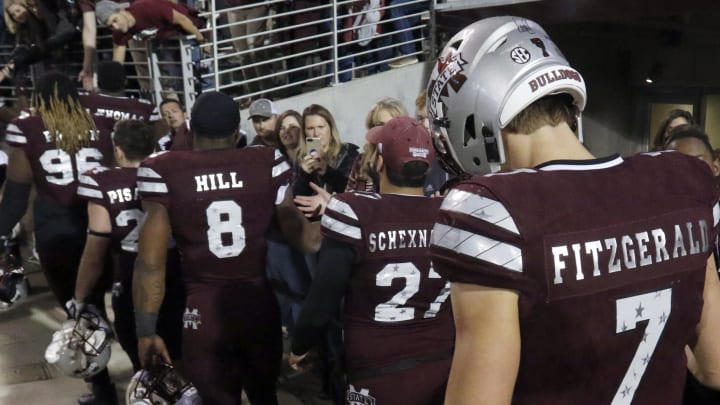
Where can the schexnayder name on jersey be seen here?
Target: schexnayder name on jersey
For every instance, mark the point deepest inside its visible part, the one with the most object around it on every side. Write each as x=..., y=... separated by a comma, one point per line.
x=398, y=239
x=546, y=78
x=626, y=252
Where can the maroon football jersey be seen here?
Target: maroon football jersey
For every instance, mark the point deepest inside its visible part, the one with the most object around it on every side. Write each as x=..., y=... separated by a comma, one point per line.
x=55, y=172
x=608, y=257
x=115, y=189
x=395, y=305
x=221, y=204
x=119, y=108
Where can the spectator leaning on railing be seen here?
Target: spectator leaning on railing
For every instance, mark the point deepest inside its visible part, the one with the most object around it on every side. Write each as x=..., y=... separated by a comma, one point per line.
x=147, y=20
x=41, y=29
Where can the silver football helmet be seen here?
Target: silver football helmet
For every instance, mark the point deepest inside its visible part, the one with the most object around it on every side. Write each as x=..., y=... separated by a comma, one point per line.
x=81, y=348
x=161, y=385
x=486, y=74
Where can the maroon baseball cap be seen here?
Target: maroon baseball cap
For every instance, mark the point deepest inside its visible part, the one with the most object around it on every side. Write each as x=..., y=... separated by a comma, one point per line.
x=402, y=140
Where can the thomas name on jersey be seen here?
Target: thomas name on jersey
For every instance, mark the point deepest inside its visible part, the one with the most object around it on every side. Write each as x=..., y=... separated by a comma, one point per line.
x=217, y=181
x=398, y=239
x=118, y=115
x=630, y=251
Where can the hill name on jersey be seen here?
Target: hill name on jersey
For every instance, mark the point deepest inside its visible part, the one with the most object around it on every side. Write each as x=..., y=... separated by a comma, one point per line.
x=217, y=181
x=631, y=251
x=398, y=239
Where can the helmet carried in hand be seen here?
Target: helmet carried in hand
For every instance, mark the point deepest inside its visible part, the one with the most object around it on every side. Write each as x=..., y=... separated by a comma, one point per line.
x=161, y=385
x=81, y=348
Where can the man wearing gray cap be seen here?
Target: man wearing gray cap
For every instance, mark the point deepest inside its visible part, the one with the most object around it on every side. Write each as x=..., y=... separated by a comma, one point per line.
x=219, y=203
x=263, y=114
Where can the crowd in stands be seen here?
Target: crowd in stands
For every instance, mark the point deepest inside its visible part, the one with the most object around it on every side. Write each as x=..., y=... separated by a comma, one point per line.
x=260, y=46
x=223, y=246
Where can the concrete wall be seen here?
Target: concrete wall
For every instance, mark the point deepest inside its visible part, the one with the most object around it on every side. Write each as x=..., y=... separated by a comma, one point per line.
x=350, y=102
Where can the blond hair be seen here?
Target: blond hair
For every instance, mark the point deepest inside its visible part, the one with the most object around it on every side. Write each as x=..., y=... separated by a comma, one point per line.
x=56, y=102
x=10, y=23
x=394, y=108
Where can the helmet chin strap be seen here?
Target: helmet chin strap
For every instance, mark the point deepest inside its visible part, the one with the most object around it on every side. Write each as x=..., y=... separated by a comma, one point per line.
x=580, y=129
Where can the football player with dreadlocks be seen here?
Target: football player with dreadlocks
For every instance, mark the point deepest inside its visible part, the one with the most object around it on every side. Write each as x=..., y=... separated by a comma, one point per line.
x=49, y=149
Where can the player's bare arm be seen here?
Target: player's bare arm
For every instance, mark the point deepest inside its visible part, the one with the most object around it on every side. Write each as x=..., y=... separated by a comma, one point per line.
x=326, y=293
x=487, y=345
x=149, y=281
x=300, y=233
x=16, y=192
x=19, y=169
x=96, y=247
x=706, y=351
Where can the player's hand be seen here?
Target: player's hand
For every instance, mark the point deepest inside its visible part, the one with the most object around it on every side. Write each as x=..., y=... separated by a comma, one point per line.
x=75, y=308
x=310, y=205
x=152, y=349
x=200, y=38
x=86, y=78
x=296, y=361
x=324, y=194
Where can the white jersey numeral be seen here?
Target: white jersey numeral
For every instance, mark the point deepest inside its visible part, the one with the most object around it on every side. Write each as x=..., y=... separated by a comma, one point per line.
x=655, y=308
x=123, y=219
x=58, y=164
x=394, y=310
x=225, y=218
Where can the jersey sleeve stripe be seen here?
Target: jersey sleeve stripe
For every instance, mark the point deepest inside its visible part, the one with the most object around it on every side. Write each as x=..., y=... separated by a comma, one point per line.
x=483, y=208
x=15, y=138
x=716, y=213
x=280, y=169
x=152, y=187
x=154, y=115
x=478, y=246
x=89, y=192
x=164, y=143
x=148, y=173
x=341, y=207
x=87, y=180
x=281, y=194
x=342, y=228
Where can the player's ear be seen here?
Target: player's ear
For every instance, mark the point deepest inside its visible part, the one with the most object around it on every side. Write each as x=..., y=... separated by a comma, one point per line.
x=715, y=167
x=379, y=163
x=119, y=153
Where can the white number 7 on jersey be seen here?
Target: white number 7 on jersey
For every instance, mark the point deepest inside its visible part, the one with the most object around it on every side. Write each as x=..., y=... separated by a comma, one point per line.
x=655, y=308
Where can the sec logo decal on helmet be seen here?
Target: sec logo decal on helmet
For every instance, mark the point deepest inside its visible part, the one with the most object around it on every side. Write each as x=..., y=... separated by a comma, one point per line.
x=488, y=73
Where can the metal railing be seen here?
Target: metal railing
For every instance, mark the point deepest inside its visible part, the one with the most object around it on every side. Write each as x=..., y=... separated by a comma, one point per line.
x=301, y=46
x=306, y=45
